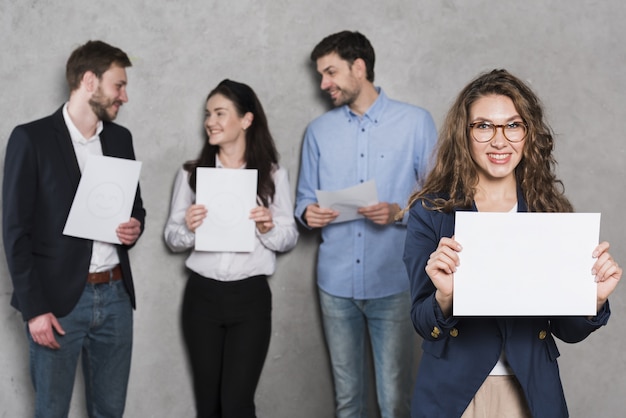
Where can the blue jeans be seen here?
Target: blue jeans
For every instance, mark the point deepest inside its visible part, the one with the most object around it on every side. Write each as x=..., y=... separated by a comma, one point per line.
x=100, y=327
x=388, y=323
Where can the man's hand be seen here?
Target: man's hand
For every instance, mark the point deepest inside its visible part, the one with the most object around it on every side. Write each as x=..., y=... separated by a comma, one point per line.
x=317, y=217
x=382, y=213
x=41, y=330
x=128, y=232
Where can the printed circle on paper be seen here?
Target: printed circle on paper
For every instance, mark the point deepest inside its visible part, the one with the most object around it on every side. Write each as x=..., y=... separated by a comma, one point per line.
x=105, y=200
x=226, y=210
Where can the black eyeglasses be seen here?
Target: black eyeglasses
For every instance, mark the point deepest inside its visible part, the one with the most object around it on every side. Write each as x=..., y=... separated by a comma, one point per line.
x=485, y=131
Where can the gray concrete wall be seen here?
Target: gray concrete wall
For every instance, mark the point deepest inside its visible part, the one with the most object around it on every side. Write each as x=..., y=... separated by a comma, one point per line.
x=572, y=54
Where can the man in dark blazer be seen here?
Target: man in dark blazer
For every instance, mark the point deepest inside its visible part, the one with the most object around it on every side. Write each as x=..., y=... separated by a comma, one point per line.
x=76, y=295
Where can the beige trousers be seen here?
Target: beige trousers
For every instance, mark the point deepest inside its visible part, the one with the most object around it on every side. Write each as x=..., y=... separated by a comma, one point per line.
x=498, y=397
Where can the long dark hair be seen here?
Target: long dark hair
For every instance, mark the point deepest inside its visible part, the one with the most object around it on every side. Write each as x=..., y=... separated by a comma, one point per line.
x=260, y=151
x=455, y=175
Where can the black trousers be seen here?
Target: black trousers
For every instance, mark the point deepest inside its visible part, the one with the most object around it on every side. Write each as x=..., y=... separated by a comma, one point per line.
x=227, y=328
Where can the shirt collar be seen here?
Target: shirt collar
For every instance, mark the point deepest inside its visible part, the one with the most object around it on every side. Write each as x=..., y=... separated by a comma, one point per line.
x=375, y=111
x=218, y=163
x=74, y=132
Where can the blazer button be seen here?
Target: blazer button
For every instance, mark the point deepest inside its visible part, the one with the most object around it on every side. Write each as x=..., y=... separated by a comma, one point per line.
x=542, y=334
x=454, y=332
x=435, y=332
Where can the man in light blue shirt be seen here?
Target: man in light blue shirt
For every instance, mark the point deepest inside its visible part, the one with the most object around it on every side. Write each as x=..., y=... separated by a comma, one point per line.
x=363, y=284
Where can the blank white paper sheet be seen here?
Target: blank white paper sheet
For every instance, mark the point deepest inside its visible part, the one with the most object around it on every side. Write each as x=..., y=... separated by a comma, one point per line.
x=348, y=201
x=228, y=195
x=525, y=264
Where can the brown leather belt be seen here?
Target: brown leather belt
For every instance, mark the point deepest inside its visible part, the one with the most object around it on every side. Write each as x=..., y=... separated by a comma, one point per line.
x=105, y=276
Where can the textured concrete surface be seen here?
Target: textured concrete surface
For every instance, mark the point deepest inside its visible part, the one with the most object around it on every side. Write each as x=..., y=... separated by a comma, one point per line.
x=571, y=53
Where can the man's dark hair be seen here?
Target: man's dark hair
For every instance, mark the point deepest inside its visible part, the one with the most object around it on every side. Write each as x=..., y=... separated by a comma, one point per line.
x=349, y=46
x=94, y=56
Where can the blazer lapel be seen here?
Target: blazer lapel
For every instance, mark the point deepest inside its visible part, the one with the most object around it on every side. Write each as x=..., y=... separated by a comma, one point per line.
x=65, y=147
x=104, y=141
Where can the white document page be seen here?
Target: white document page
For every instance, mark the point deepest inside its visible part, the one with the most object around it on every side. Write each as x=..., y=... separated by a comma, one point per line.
x=525, y=264
x=228, y=195
x=104, y=198
x=348, y=201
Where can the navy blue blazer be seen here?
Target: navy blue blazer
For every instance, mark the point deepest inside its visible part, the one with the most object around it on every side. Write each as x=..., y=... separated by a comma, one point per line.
x=459, y=352
x=41, y=174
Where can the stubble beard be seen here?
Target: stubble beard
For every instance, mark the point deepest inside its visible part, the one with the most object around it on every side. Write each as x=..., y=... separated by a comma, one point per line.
x=100, y=104
x=346, y=97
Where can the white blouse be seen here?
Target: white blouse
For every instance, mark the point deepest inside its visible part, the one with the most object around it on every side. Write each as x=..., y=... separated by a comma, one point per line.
x=231, y=266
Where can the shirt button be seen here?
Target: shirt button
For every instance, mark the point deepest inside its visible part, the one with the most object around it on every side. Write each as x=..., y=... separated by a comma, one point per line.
x=358, y=261
x=542, y=334
x=362, y=129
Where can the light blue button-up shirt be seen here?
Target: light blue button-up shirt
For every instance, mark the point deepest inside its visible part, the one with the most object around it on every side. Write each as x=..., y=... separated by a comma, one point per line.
x=391, y=143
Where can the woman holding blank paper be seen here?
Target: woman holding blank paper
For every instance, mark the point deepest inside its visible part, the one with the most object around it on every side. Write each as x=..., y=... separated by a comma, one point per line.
x=226, y=312
x=494, y=155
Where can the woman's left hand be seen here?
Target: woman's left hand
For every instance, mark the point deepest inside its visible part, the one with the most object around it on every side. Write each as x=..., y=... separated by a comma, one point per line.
x=606, y=271
x=263, y=219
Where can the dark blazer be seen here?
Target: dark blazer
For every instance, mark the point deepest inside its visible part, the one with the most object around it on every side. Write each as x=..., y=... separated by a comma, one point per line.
x=459, y=352
x=41, y=174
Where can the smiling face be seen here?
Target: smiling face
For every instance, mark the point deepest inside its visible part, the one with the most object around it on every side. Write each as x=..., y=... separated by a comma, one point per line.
x=223, y=124
x=496, y=160
x=110, y=94
x=105, y=200
x=338, y=79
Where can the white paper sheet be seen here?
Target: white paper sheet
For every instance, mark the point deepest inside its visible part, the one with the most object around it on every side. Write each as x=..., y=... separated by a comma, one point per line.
x=348, y=201
x=104, y=198
x=525, y=264
x=228, y=195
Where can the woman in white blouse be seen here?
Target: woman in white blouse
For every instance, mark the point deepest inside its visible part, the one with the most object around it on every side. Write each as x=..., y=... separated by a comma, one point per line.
x=226, y=315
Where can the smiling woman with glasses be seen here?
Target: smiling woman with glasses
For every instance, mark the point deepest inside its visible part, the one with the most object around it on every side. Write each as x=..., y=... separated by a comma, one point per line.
x=494, y=155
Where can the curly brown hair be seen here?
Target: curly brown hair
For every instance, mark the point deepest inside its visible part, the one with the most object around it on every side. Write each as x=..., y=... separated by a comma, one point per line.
x=452, y=182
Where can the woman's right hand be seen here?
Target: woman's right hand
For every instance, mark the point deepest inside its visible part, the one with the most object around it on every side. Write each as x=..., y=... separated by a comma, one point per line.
x=194, y=216
x=441, y=267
